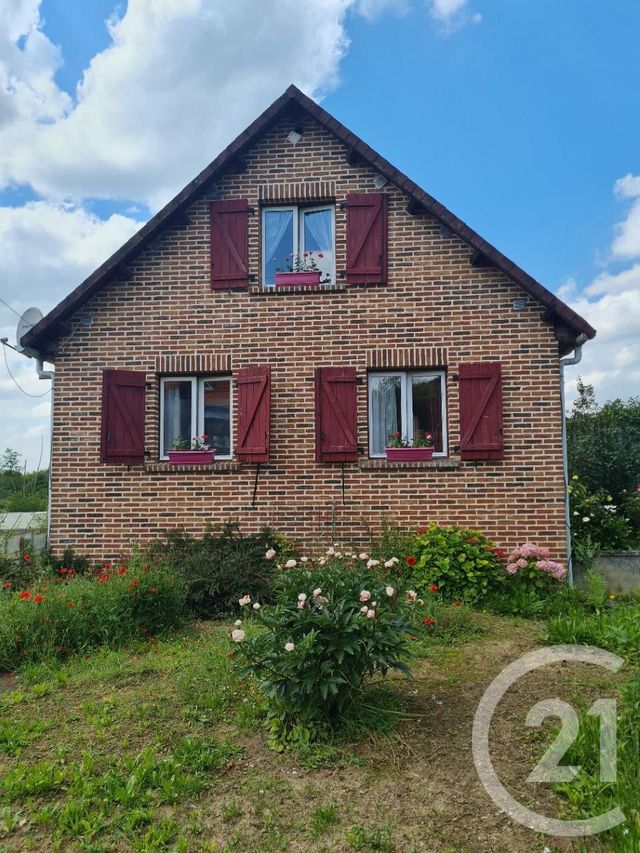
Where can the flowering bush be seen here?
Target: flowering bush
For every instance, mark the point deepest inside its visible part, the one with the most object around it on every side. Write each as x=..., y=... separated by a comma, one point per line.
x=531, y=563
x=596, y=518
x=420, y=439
x=462, y=563
x=336, y=623
x=69, y=613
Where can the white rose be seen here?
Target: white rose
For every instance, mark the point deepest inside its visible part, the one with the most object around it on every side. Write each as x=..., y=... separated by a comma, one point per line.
x=256, y=606
x=586, y=518
x=302, y=596
x=270, y=554
x=363, y=556
x=374, y=603
x=390, y=591
x=238, y=623
x=372, y=563
x=304, y=559
x=395, y=560
x=237, y=635
x=322, y=561
x=290, y=564
x=371, y=614
x=317, y=592
x=389, y=564
x=411, y=596
x=331, y=551
x=364, y=609
x=365, y=595
x=289, y=647
x=246, y=599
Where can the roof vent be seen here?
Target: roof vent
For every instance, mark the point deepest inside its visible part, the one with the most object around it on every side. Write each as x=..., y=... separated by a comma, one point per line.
x=295, y=135
x=519, y=304
x=379, y=181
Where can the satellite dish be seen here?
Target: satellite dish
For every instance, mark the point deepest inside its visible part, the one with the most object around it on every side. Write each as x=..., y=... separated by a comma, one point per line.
x=29, y=319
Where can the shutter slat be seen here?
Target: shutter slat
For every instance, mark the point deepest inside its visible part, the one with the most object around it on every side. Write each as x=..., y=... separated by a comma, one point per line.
x=123, y=411
x=366, y=238
x=481, y=432
x=336, y=415
x=254, y=414
x=229, y=244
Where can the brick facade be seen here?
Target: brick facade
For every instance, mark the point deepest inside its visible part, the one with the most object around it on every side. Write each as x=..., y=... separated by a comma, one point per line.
x=436, y=311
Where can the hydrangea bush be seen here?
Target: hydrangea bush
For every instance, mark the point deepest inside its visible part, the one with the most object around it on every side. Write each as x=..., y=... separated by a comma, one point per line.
x=336, y=623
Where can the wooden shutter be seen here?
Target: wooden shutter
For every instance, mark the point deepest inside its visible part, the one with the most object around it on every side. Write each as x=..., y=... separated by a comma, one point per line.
x=366, y=238
x=123, y=417
x=229, y=244
x=336, y=416
x=254, y=414
x=481, y=411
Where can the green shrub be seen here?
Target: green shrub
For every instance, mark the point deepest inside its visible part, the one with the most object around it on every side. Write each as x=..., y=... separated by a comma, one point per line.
x=220, y=566
x=461, y=562
x=598, y=518
x=333, y=627
x=60, y=616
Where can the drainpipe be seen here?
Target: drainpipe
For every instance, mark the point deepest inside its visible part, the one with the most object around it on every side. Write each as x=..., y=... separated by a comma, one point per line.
x=568, y=362
x=48, y=374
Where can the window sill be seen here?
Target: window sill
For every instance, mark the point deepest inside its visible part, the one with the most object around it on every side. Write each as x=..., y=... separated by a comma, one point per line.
x=222, y=467
x=259, y=290
x=384, y=464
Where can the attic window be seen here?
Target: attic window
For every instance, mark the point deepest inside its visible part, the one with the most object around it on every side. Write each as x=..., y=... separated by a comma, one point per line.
x=293, y=230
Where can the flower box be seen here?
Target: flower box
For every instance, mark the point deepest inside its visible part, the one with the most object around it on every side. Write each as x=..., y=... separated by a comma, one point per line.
x=409, y=454
x=293, y=279
x=192, y=457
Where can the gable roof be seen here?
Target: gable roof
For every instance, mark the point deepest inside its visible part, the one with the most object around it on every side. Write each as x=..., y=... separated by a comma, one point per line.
x=53, y=324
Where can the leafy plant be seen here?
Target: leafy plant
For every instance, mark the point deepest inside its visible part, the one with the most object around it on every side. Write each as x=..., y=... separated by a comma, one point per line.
x=462, y=563
x=334, y=626
x=597, y=521
x=220, y=566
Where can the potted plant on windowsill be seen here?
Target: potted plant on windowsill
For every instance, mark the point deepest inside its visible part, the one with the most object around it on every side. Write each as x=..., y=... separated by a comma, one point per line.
x=300, y=270
x=195, y=452
x=400, y=449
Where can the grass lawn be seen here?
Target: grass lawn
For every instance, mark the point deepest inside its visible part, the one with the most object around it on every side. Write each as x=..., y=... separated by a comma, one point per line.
x=158, y=746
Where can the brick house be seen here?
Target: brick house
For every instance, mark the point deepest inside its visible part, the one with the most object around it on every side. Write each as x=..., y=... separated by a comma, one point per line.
x=417, y=323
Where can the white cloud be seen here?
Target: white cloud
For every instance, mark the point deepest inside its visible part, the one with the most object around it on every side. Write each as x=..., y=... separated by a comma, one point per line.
x=179, y=80
x=627, y=240
x=452, y=14
x=611, y=303
x=374, y=8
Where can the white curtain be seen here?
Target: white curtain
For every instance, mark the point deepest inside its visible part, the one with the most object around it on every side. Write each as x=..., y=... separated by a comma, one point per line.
x=276, y=223
x=318, y=225
x=385, y=404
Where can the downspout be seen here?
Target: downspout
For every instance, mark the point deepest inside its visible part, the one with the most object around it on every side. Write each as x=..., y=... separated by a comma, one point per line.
x=48, y=374
x=568, y=362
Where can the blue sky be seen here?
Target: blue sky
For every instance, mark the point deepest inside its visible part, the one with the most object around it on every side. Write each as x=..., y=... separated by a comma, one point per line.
x=522, y=116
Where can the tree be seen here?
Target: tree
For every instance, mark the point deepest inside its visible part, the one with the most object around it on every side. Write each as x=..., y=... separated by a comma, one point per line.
x=21, y=491
x=604, y=443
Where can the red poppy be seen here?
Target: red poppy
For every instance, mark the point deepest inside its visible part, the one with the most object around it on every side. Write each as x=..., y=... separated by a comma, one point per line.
x=103, y=578
x=106, y=566
x=472, y=540
x=122, y=571
x=153, y=589
x=457, y=604
x=411, y=561
x=6, y=584
x=433, y=588
x=422, y=530
x=38, y=598
x=72, y=572
x=26, y=557
x=24, y=596
x=413, y=638
x=427, y=621
x=70, y=604
x=63, y=571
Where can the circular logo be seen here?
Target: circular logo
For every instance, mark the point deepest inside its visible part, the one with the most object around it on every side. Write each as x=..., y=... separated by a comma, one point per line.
x=548, y=769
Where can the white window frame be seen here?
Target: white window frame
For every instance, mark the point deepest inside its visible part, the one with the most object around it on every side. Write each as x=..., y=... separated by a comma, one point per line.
x=406, y=404
x=197, y=408
x=298, y=211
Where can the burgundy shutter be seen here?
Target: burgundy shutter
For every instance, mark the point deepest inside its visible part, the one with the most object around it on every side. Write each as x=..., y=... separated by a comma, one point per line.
x=481, y=411
x=229, y=244
x=254, y=414
x=336, y=416
x=123, y=417
x=366, y=238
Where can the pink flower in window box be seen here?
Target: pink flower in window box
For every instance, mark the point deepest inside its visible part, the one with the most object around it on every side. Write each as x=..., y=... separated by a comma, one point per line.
x=400, y=449
x=194, y=453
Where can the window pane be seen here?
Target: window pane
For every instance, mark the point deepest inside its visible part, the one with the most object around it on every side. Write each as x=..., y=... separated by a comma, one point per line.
x=217, y=415
x=427, y=407
x=317, y=230
x=177, y=412
x=385, y=394
x=278, y=242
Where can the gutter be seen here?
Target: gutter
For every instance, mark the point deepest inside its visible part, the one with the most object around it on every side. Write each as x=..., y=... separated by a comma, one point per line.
x=568, y=362
x=48, y=374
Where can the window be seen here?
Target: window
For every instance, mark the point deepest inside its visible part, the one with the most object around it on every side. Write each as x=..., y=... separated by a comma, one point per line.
x=296, y=230
x=406, y=403
x=190, y=406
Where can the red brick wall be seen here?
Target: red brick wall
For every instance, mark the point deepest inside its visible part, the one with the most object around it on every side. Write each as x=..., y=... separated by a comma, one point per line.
x=436, y=310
